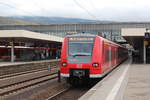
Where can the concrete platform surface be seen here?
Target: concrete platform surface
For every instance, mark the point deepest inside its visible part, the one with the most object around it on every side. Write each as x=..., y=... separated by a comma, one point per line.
x=138, y=87
x=127, y=82
x=112, y=86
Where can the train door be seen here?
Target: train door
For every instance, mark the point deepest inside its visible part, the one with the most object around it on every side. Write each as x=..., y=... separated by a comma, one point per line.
x=103, y=56
x=115, y=55
x=106, y=56
x=110, y=56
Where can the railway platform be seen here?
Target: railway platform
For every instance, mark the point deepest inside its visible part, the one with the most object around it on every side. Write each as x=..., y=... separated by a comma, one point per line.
x=127, y=82
x=3, y=64
x=138, y=87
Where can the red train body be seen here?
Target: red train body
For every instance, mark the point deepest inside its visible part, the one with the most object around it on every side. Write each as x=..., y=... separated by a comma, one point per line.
x=89, y=56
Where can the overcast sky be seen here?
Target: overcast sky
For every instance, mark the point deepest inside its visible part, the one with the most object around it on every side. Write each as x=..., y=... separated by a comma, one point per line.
x=114, y=10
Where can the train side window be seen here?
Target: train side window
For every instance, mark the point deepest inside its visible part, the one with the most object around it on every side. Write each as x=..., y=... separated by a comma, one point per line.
x=107, y=55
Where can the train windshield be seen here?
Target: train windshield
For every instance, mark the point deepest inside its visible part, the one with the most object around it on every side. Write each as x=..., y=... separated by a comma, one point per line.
x=80, y=50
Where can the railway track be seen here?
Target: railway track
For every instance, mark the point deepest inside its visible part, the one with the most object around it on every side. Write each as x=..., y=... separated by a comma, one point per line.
x=16, y=87
x=14, y=69
x=21, y=73
x=70, y=93
x=59, y=93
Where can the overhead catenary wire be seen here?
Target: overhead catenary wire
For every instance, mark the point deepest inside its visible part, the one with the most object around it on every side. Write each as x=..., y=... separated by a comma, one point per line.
x=92, y=5
x=43, y=10
x=88, y=12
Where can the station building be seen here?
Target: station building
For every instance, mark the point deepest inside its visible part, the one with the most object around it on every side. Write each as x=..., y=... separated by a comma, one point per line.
x=111, y=30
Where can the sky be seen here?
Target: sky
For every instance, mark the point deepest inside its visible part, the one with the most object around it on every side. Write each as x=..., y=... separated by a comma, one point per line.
x=112, y=10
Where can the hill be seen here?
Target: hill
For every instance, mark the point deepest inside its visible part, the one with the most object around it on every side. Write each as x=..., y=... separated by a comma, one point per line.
x=56, y=20
x=12, y=21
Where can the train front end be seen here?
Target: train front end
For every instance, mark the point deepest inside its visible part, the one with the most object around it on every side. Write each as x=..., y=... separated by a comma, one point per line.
x=80, y=58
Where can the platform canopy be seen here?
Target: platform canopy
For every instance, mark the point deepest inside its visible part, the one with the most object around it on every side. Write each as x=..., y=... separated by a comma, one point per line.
x=134, y=36
x=16, y=36
x=27, y=36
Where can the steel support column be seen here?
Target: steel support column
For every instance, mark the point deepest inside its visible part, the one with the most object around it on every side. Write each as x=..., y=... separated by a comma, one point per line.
x=12, y=52
x=144, y=52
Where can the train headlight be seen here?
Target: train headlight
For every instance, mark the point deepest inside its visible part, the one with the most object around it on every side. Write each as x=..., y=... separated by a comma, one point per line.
x=95, y=64
x=64, y=64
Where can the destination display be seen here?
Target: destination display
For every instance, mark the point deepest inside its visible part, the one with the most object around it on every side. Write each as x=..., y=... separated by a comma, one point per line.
x=81, y=39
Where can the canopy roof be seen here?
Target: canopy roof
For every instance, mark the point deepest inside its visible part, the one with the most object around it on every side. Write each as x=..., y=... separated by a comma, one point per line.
x=27, y=36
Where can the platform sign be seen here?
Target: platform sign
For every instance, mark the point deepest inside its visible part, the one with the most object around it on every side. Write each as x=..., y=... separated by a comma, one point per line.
x=145, y=42
x=11, y=43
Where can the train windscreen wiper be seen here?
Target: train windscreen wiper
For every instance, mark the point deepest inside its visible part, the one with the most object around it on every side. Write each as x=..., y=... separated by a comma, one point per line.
x=80, y=54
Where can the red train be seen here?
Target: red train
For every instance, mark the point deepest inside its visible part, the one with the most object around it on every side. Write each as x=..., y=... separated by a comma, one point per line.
x=86, y=56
